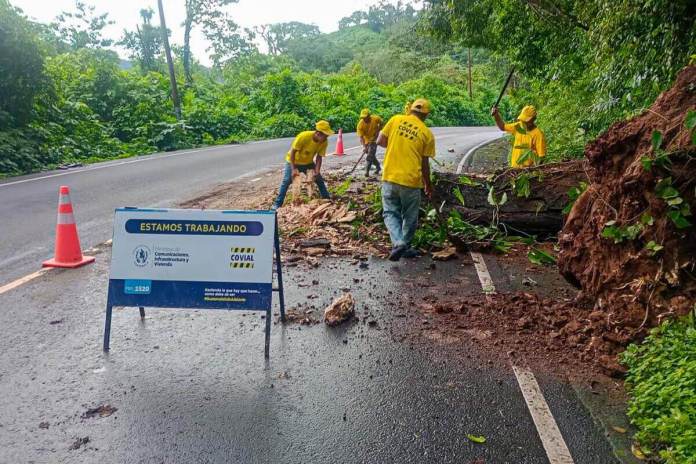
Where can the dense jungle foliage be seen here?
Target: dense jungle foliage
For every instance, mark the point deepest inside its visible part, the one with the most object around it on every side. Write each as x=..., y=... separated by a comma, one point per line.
x=64, y=98
x=583, y=63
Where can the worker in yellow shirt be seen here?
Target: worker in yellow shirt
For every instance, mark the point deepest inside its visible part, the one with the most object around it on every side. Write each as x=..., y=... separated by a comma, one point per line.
x=306, y=152
x=529, y=145
x=410, y=145
x=368, y=129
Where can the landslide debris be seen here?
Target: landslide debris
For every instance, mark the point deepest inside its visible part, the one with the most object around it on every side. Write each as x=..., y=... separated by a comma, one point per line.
x=629, y=241
x=348, y=225
x=566, y=336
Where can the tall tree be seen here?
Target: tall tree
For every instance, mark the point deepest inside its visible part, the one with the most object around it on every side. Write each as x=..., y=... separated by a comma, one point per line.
x=83, y=28
x=170, y=62
x=277, y=36
x=21, y=67
x=209, y=15
x=145, y=43
x=227, y=41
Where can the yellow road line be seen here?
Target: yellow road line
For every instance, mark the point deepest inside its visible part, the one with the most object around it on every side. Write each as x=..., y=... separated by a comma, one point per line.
x=23, y=280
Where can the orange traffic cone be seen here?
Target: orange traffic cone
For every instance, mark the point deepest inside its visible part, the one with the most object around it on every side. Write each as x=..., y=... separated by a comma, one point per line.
x=339, y=144
x=68, y=252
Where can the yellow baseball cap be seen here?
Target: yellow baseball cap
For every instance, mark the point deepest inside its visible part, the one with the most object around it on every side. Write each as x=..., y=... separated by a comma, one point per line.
x=421, y=105
x=527, y=114
x=324, y=127
x=364, y=113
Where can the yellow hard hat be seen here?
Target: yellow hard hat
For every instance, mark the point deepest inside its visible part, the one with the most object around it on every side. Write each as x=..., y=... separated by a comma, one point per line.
x=527, y=114
x=364, y=113
x=324, y=127
x=421, y=105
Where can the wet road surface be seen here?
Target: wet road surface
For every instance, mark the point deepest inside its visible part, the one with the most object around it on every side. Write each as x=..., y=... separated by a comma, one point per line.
x=192, y=386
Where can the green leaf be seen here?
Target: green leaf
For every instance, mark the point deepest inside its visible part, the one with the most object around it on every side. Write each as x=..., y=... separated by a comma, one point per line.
x=656, y=140
x=476, y=439
x=690, y=120
x=632, y=231
x=646, y=219
x=678, y=219
x=540, y=257
x=458, y=193
x=491, y=197
x=521, y=186
x=524, y=157
x=653, y=247
x=675, y=201
x=646, y=162
x=464, y=180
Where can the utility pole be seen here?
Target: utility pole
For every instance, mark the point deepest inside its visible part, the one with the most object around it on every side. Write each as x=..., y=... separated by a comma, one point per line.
x=471, y=93
x=170, y=63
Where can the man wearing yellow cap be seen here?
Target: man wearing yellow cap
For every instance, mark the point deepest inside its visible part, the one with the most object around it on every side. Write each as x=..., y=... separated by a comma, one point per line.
x=368, y=129
x=529, y=145
x=410, y=145
x=306, y=152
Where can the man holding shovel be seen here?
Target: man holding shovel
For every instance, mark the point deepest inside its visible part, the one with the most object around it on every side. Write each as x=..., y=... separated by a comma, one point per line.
x=410, y=145
x=306, y=153
x=529, y=144
x=368, y=129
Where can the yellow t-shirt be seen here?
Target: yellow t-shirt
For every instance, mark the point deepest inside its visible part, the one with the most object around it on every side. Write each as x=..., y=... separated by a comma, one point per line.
x=369, y=131
x=306, y=148
x=534, y=139
x=408, y=142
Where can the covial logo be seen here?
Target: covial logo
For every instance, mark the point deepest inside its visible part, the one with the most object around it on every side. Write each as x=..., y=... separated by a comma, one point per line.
x=141, y=255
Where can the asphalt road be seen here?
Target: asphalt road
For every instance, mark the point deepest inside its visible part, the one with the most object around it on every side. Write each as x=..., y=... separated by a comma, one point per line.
x=28, y=204
x=192, y=386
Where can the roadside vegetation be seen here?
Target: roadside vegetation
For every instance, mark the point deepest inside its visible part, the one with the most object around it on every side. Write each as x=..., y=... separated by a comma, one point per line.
x=662, y=383
x=584, y=63
x=65, y=98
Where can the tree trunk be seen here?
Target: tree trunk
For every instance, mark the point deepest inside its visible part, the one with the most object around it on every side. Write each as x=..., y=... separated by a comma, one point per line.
x=186, y=55
x=170, y=62
x=539, y=213
x=471, y=93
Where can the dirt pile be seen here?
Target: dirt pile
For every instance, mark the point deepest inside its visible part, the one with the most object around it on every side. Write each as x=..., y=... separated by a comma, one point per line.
x=629, y=241
x=558, y=335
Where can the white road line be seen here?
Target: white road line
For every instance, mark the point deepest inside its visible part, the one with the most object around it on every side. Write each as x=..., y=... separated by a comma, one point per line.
x=482, y=270
x=470, y=153
x=556, y=448
x=23, y=280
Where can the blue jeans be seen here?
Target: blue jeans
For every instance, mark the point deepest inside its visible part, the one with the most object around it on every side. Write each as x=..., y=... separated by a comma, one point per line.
x=400, y=207
x=287, y=180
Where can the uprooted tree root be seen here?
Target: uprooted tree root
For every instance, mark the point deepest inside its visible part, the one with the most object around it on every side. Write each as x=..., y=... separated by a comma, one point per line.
x=629, y=241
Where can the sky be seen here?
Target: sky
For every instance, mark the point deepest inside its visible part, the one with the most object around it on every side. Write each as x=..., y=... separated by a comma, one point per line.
x=246, y=13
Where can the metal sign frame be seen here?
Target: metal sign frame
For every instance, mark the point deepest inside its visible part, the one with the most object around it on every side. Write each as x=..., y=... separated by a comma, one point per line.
x=112, y=300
